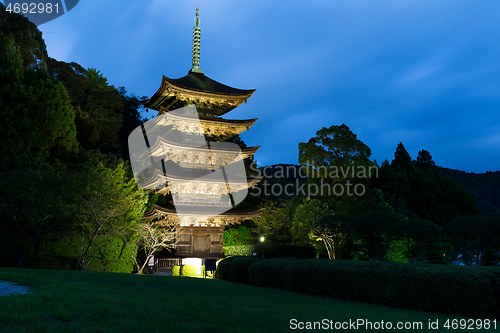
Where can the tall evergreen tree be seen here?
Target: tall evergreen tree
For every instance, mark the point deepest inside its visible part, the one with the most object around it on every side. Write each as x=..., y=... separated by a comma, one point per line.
x=37, y=117
x=402, y=159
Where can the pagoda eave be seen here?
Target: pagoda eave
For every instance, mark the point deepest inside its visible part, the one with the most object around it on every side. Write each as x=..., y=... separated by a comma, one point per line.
x=233, y=215
x=158, y=183
x=221, y=96
x=163, y=146
x=209, y=127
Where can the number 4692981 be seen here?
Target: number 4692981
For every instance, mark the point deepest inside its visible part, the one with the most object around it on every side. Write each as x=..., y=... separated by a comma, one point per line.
x=32, y=8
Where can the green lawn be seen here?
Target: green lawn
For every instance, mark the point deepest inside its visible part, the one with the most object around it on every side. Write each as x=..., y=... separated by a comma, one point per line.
x=72, y=301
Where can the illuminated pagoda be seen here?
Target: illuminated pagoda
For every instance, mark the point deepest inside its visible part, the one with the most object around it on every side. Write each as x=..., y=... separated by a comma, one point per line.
x=193, y=162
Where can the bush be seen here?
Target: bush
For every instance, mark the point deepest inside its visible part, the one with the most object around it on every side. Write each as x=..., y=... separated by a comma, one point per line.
x=452, y=290
x=188, y=270
x=235, y=269
x=111, y=265
x=270, y=273
x=238, y=236
x=239, y=250
x=176, y=270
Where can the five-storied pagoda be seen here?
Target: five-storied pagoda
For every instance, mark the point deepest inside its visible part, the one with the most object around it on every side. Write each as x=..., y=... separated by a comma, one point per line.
x=196, y=168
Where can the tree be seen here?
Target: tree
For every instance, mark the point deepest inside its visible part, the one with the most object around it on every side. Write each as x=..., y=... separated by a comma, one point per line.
x=107, y=202
x=370, y=230
x=99, y=106
x=273, y=223
x=424, y=159
x=37, y=117
x=338, y=167
x=420, y=190
x=402, y=159
x=372, y=200
x=305, y=215
x=240, y=235
x=131, y=118
x=418, y=236
x=154, y=237
x=27, y=39
x=477, y=238
x=32, y=203
x=334, y=147
x=332, y=231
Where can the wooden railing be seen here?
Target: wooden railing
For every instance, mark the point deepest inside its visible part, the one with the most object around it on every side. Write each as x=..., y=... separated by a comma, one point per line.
x=168, y=262
x=165, y=263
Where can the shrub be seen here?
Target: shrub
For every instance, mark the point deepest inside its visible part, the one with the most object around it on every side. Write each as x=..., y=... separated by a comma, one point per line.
x=270, y=273
x=188, y=270
x=238, y=236
x=222, y=272
x=239, y=250
x=235, y=269
x=176, y=270
x=453, y=290
x=111, y=265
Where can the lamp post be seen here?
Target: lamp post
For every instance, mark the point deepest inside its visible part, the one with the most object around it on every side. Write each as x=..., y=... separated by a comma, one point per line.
x=262, y=245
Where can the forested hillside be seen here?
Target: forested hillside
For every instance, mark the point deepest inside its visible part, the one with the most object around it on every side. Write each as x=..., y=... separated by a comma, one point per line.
x=484, y=186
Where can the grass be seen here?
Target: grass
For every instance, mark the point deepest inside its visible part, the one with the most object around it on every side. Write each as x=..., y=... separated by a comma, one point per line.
x=73, y=301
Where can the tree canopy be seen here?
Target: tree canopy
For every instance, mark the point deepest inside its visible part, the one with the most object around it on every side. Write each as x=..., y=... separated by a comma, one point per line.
x=37, y=117
x=336, y=146
x=421, y=190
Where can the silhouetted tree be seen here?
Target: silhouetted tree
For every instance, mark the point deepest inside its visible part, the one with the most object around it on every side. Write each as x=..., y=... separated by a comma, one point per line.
x=370, y=231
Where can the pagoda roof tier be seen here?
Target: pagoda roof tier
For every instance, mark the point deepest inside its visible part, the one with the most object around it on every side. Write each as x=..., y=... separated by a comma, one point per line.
x=199, y=89
x=211, y=127
x=194, y=182
x=192, y=155
x=198, y=216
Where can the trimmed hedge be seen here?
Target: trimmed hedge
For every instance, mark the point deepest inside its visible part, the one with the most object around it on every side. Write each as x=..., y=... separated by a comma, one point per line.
x=270, y=273
x=468, y=291
x=176, y=270
x=235, y=269
x=453, y=290
x=188, y=270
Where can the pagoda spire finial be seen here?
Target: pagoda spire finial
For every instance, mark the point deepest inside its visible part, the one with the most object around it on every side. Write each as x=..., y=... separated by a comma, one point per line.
x=196, y=44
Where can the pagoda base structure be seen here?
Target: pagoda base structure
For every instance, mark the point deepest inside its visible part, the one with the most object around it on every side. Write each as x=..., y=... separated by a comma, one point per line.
x=198, y=237
x=200, y=242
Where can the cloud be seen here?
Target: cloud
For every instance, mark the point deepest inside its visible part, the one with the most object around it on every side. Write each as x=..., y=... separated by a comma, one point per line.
x=488, y=142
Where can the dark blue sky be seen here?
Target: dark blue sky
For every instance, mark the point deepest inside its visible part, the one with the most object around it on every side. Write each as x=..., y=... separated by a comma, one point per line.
x=425, y=73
